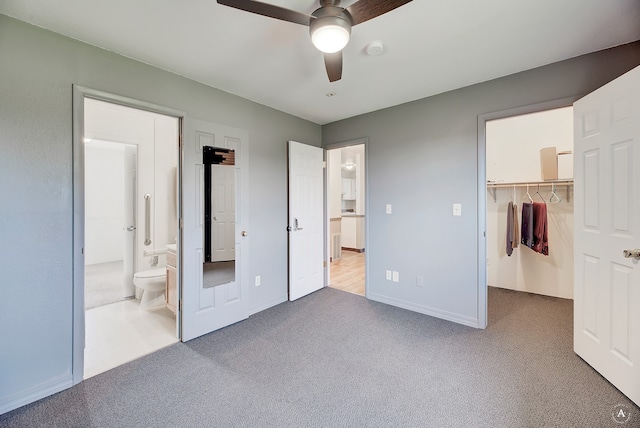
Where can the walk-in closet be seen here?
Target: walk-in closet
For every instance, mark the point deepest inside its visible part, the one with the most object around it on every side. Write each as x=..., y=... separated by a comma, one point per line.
x=529, y=161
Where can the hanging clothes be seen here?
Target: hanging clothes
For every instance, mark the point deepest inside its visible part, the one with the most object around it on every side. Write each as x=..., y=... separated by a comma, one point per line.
x=540, y=228
x=510, y=229
x=516, y=228
x=513, y=231
x=526, y=230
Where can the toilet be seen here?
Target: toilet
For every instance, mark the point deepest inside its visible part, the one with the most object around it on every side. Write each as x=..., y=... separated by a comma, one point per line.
x=152, y=283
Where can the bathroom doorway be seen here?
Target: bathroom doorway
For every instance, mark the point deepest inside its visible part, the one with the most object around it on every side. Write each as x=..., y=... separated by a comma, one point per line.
x=130, y=222
x=346, y=202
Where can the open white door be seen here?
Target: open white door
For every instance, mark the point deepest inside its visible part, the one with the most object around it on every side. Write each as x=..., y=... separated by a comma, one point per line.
x=607, y=222
x=306, y=193
x=205, y=309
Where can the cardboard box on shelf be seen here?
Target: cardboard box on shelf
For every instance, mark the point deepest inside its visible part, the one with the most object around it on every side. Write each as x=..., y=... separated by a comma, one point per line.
x=548, y=163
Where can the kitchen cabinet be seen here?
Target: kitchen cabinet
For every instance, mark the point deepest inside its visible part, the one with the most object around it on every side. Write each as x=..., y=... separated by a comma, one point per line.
x=348, y=231
x=352, y=231
x=348, y=189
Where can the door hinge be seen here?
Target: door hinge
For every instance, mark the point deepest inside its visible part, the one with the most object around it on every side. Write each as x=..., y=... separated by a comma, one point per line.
x=324, y=264
x=180, y=305
x=181, y=222
x=324, y=164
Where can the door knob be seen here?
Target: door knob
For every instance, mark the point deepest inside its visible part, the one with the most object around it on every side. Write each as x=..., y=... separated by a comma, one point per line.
x=131, y=228
x=632, y=254
x=245, y=233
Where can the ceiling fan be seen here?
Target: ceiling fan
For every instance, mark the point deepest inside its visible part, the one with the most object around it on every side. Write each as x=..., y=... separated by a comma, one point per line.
x=329, y=26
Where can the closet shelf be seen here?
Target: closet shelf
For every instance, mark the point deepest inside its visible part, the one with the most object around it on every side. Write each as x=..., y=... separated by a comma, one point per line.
x=553, y=183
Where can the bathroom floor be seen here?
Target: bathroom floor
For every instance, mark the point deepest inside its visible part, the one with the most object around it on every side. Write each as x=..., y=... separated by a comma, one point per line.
x=120, y=332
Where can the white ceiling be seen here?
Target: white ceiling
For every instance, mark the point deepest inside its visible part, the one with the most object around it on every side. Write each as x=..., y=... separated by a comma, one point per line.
x=432, y=46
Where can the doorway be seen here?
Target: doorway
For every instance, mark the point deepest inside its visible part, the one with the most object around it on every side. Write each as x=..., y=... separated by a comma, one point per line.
x=130, y=160
x=346, y=211
x=510, y=171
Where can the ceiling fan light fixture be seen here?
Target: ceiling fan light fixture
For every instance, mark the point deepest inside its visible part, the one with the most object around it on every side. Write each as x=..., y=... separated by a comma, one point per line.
x=330, y=34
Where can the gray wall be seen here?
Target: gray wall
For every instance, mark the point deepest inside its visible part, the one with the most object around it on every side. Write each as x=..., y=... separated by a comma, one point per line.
x=37, y=70
x=422, y=158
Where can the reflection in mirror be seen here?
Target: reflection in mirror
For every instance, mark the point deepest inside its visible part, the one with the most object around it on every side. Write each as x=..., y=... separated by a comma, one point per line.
x=219, y=216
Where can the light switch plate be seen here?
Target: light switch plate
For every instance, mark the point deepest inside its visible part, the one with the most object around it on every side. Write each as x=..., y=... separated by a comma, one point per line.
x=388, y=209
x=396, y=276
x=457, y=209
x=388, y=275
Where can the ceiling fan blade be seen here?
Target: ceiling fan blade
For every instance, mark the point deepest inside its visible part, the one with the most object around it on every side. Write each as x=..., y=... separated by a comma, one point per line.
x=269, y=10
x=364, y=10
x=333, y=64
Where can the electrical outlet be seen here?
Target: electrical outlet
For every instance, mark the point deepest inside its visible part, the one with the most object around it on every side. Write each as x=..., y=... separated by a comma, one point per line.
x=388, y=275
x=396, y=276
x=388, y=209
x=419, y=281
x=257, y=280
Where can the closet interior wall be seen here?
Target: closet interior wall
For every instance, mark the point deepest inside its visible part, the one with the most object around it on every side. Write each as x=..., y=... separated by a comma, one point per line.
x=513, y=155
x=526, y=270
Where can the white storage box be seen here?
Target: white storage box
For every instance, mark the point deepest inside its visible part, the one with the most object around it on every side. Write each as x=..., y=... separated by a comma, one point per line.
x=565, y=165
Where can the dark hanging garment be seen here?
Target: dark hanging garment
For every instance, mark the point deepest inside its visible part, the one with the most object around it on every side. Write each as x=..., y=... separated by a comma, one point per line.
x=510, y=229
x=516, y=227
x=527, y=225
x=540, y=229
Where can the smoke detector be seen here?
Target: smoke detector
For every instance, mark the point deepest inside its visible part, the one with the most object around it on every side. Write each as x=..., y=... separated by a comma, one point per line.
x=375, y=48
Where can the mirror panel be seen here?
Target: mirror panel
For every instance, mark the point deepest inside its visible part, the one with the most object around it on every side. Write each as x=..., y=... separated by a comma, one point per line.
x=219, y=216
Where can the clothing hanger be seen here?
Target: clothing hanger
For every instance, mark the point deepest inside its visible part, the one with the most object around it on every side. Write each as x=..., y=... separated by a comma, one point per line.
x=528, y=195
x=538, y=193
x=554, y=194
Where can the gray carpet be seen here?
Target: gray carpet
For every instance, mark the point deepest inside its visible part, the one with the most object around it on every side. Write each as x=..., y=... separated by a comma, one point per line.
x=103, y=284
x=334, y=359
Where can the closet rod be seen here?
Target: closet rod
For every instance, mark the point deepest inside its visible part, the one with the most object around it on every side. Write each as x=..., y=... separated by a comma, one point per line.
x=495, y=185
x=532, y=183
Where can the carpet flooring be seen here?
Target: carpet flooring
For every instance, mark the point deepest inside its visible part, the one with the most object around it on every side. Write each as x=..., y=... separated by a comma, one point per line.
x=335, y=359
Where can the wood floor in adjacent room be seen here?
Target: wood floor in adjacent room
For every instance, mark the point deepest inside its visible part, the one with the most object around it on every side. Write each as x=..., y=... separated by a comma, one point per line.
x=347, y=274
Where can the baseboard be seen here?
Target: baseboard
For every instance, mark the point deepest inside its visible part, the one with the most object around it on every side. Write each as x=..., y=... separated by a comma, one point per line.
x=35, y=393
x=426, y=310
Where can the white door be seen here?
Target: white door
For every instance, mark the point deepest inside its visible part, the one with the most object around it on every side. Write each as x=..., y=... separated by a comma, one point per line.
x=207, y=309
x=306, y=193
x=224, y=214
x=607, y=222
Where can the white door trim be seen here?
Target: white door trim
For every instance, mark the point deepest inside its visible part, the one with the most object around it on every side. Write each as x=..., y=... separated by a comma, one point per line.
x=79, y=94
x=482, y=189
